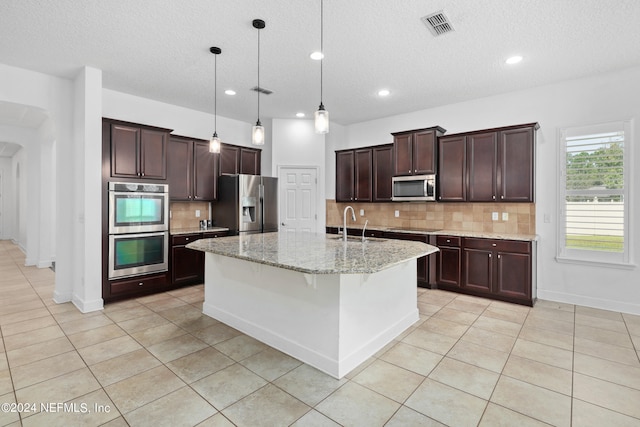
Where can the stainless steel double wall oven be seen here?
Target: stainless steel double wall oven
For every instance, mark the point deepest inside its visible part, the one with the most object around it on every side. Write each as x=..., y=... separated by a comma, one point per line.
x=138, y=229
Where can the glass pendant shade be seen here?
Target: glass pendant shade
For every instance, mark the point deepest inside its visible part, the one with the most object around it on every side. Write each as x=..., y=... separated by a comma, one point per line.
x=322, y=120
x=214, y=144
x=257, y=134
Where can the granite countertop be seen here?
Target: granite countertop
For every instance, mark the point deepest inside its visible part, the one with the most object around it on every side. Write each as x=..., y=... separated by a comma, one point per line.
x=483, y=235
x=316, y=253
x=191, y=230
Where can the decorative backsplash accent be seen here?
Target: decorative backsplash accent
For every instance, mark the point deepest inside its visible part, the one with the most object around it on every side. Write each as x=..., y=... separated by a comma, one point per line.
x=183, y=214
x=473, y=217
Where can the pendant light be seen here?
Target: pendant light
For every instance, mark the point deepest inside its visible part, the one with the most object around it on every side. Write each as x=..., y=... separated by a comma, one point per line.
x=214, y=142
x=257, y=132
x=322, y=115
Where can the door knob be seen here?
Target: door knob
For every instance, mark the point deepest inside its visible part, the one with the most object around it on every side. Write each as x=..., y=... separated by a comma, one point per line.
x=282, y=224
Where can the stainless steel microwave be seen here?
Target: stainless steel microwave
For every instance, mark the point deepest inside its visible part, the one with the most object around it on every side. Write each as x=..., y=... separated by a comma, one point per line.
x=415, y=188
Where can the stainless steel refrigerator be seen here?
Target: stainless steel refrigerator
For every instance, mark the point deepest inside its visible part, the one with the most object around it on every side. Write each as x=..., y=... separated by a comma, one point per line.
x=247, y=204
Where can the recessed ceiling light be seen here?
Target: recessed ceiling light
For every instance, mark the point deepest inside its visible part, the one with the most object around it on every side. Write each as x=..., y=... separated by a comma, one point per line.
x=383, y=92
x=316, y=56
x=230, y=92
x=514, y=60
x=300, y=115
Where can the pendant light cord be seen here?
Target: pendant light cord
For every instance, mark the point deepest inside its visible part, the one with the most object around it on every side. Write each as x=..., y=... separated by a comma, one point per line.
x=258, y=75
x=321, y=44
x=215, y=95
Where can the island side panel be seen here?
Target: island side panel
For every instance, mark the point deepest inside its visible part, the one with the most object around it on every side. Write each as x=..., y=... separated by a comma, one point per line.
x=330, y=321
x=375, y=309
x=276, y=306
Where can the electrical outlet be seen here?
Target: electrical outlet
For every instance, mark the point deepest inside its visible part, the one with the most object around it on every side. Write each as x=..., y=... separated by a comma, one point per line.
x=397, y=214
x=197, y=213
x=494, y=216
x=505, y=216
x=170, y=215
x=361, y=212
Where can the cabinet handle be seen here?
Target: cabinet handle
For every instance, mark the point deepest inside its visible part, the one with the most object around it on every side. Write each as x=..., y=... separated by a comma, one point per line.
x=493, y=197
x=493, y=244
x=140, y=284
x=186, y=238
x=498, y=256
x=448, y=241
x=415, y=171
x=502, y=197
x=142, y=174
x=489, y=255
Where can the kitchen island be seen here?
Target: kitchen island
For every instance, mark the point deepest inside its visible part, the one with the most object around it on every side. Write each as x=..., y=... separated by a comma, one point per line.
x=329, y=303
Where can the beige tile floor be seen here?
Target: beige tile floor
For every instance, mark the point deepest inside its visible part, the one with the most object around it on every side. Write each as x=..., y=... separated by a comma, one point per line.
x=158, y=361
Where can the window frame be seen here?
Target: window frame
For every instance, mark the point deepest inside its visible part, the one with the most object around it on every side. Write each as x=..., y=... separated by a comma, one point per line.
x=622, y=259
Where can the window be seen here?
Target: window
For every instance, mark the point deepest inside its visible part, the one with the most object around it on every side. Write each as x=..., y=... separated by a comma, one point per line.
x=594, y=193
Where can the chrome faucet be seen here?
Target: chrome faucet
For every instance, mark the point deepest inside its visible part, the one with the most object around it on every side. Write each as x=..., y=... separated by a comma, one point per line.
x=344, y=217
x=363, y=230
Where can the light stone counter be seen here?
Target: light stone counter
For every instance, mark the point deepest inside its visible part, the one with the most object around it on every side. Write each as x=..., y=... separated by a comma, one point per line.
x=428, y=232
x=192, y=230
x=316, y=253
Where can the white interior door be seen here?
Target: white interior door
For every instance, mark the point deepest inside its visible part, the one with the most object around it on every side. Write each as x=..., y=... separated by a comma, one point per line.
x=298, y=195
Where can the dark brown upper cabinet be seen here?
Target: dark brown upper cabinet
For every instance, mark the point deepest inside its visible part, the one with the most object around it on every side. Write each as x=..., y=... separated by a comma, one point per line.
x=415, y=151
x=452, y=164
x=138, y=151
x=192, y=170
x=382, y=173
x=363, y=175
x=494, y=165
x=345, y=175
x=239, y=160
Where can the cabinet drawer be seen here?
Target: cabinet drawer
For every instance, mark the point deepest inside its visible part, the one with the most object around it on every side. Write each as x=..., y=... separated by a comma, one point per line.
x=214, y=234
x=498, y=245
x=184, y=239
x=448, y=241
x=142, y=284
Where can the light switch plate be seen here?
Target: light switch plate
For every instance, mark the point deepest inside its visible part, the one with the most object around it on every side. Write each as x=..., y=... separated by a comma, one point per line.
x=505, y=216
x=361, y=212
x=397, y=214
x=197, y=213
x=494, y=216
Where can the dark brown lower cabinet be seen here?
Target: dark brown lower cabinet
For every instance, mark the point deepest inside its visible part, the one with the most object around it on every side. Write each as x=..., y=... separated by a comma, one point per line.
x=498, y=269
x=187, y=265
x=136, y=286
x=449, y=267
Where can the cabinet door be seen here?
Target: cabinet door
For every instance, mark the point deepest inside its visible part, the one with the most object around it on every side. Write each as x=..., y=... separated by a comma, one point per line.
x=229, y=159
x=124, y=151
x=424, y=152
x=186, y=265
x=402, y=146
x=449, y=261
x=452, y=166
x=478, y=270
x=422, y=262
x=482, y=152
x=516, y=173
x=514, y=275
x=250, y=161
x=382, y=173
x=205, y=172
x=345, y=162
x=179, y=164
x=153, y=154
x=363, y=177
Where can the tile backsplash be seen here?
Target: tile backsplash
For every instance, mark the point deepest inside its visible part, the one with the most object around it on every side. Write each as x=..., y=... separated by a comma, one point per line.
x=473, y=217
x=183, y=214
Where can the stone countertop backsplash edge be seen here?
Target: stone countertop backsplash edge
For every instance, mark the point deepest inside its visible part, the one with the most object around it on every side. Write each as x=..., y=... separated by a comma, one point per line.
x=455, y=233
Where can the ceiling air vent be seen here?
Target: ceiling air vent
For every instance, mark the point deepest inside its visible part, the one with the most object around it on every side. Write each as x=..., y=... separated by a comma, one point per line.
x=437, y=23
x=262, y=90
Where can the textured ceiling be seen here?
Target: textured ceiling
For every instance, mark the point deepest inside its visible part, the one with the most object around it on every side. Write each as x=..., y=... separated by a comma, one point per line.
x=159, y=49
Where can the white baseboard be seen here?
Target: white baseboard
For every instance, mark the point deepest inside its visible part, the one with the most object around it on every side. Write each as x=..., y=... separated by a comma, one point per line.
x=603, y=304
x=88, y=306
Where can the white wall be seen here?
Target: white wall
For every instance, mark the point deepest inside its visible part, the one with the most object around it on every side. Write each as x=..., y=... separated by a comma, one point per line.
x=586, y=101
x=6, y=201
x=295, y=143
